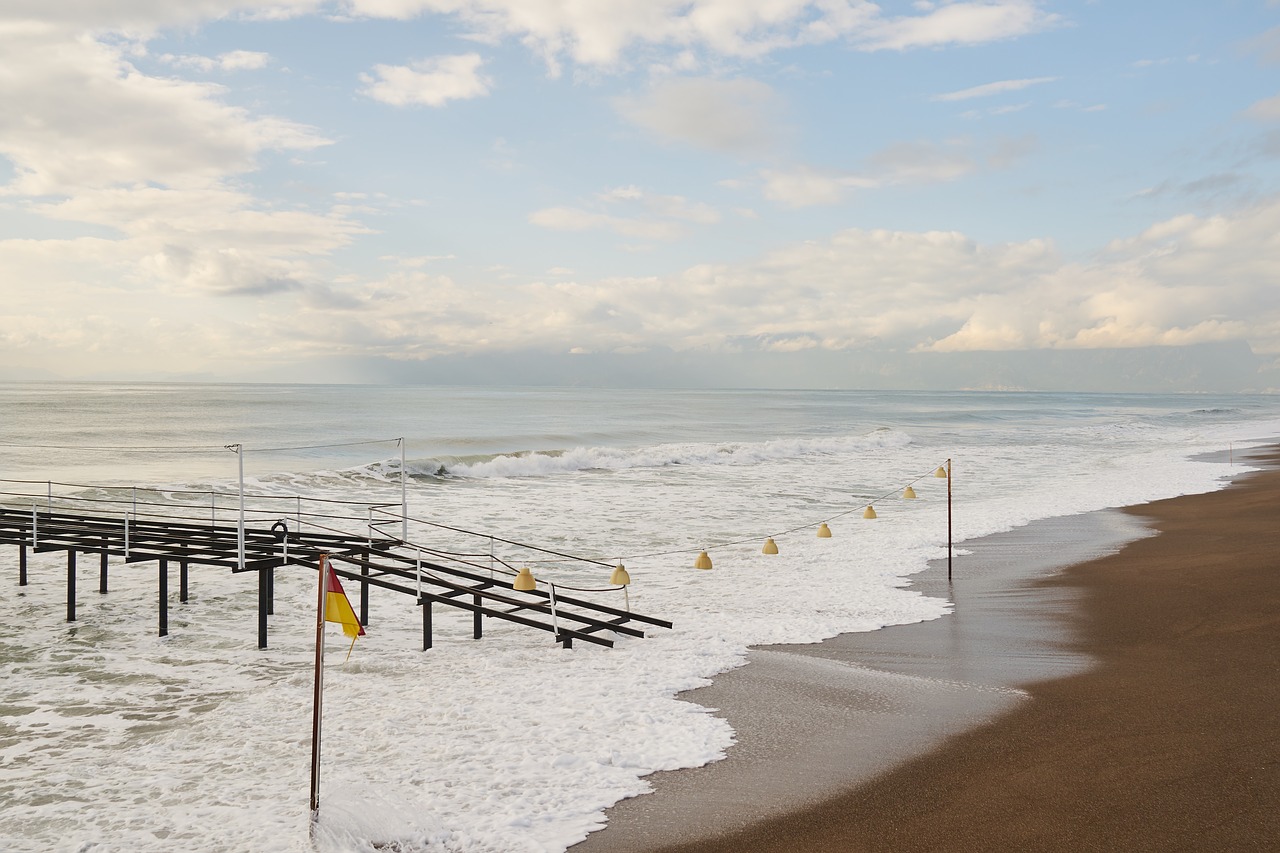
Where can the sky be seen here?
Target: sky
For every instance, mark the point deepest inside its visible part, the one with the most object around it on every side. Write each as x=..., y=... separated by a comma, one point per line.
x=777, y=192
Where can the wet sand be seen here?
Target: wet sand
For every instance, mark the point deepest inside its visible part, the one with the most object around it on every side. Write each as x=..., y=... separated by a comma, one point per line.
x=1129, y=702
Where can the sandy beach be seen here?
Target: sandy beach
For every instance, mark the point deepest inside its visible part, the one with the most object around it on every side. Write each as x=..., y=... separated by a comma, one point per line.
x=1128, y=702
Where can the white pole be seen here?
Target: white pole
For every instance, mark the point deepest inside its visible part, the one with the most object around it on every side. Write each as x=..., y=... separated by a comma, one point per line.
x=240, y=527
x=417, y=573
x=555, y=623
x=126, y=536
x=213, y=508
x=50, y=499
x=404, y=498
x=35, y=533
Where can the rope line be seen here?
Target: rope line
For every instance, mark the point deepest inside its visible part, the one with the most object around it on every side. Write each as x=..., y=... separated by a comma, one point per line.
x=795, y=529
x=322, y=446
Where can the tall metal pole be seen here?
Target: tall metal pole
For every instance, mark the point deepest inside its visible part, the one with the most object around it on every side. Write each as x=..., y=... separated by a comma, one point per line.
x=240, y=526
x=949, y=548
x=315, y=715
x=404, y=498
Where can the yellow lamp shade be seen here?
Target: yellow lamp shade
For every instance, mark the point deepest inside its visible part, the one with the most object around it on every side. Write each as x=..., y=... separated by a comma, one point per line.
x=941, y=473
x=620, y=576
x=524, y=580
x=869, y=512
x=909, y=493
x=824, y=532
x=770, y=547
x=703, y=561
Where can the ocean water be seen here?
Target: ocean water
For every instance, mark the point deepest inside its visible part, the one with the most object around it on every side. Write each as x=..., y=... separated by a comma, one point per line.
x=112, y=738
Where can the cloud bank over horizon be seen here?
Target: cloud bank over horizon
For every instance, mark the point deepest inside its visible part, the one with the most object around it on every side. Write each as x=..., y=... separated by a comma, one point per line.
x=234, y=189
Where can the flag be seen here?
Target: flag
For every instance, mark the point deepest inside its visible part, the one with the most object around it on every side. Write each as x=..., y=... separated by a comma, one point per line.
x=338, y=609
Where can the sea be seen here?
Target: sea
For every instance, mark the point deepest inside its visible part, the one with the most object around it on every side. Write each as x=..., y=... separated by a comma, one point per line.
x=113, y=738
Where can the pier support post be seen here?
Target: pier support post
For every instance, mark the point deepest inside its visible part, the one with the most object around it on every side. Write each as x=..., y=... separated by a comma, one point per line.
x=71, y=585
x=271, y=591
x=102, y=570
x=262, y=608
x=22, y=565
x=426, y=623
x=182, y=581
x=364, y=589
x=477, y=623
x=164, y=597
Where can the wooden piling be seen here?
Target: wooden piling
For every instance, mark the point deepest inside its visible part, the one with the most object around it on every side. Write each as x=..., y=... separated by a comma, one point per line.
x=425, y=603
x=164, y=597
x=262, y=608
x=364, y=589
x=71, y=585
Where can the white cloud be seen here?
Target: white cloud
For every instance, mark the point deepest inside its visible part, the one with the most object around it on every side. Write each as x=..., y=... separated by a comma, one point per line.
x=149, y=163
x=735, y=116
x=918, y=162
x=1184, y=280
x=598, y=34
x=1268, y=109
x=576, y=219
x=432, y=82
x=959, y=24
x=79, y=114
x=657, y=216
x=236, y=60
x=997, y=88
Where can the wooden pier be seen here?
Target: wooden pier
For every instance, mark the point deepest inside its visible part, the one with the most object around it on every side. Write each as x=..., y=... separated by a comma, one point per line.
x=370, y=560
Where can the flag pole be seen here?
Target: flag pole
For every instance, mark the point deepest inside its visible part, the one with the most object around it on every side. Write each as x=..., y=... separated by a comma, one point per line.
x=315, y=716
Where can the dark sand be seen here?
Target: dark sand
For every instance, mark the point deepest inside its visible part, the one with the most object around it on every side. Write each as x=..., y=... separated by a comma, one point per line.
x=1171, y=741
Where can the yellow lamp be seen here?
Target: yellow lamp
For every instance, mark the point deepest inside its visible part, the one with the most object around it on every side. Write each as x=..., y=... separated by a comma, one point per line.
x=869, y=512
x=524, y=580
x=941, y=473
x=770, y=547
x=824, y=532
x=909, y=493
x=620, y=576
x=703, y=561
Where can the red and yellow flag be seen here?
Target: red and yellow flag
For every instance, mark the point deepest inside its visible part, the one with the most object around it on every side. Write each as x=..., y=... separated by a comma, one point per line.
x=337, y=608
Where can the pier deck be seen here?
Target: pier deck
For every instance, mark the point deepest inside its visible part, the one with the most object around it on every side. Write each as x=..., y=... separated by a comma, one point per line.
x=370, y=560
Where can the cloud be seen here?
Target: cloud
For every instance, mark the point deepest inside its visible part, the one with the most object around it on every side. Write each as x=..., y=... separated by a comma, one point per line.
x=733, y=116
x=236, y=60
x=144, y=16
x=1184, y=280
x=431, y=82
x=78, y=114
x=989, y=89
x=655, y=216
x=958, y=24
x=1267, y=45
x=915, y=162
x=599, y=34
x=1268, y=109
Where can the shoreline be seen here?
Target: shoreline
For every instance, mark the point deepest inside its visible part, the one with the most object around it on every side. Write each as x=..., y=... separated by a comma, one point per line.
x=818, y=725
